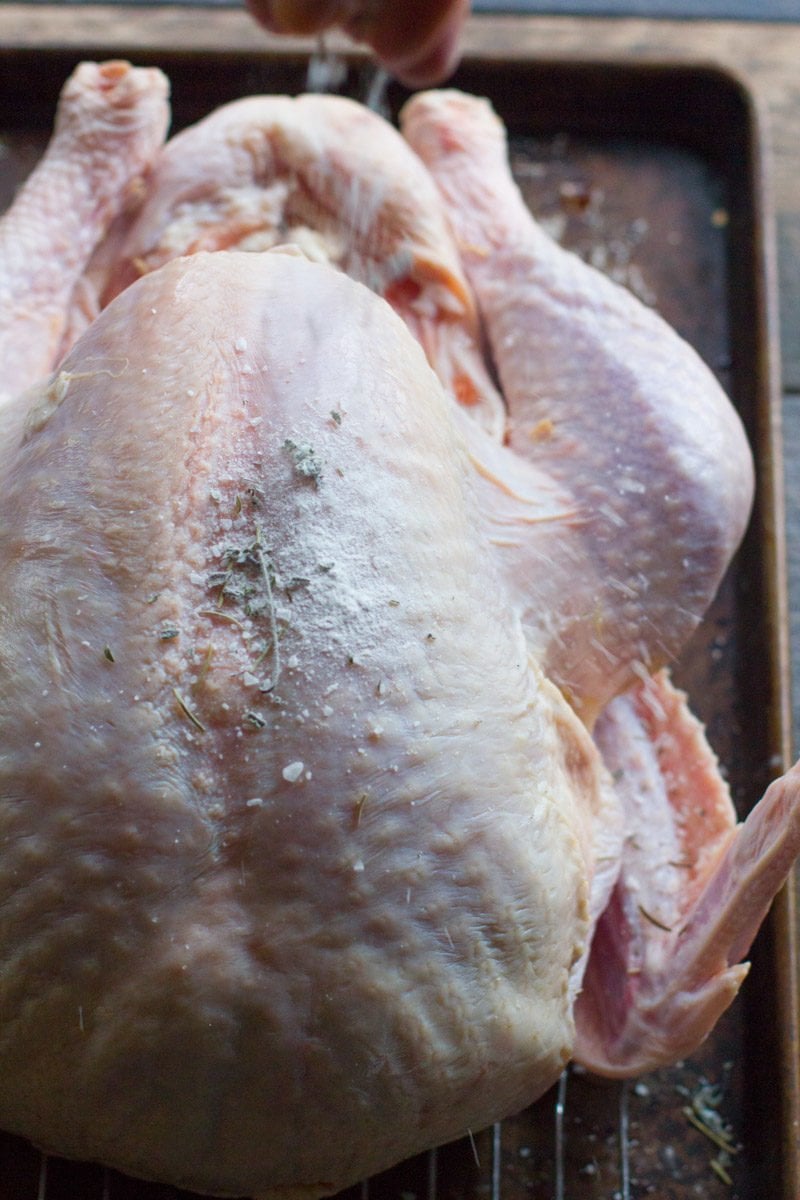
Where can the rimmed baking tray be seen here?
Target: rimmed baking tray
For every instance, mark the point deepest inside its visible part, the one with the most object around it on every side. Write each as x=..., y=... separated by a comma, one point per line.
x=655, y=173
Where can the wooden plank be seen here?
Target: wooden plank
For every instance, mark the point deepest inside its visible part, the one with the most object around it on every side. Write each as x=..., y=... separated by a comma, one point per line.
x=791, y=434
x=727, y=10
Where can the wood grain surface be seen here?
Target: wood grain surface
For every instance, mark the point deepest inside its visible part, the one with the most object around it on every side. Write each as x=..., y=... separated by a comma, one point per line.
x=729, y=10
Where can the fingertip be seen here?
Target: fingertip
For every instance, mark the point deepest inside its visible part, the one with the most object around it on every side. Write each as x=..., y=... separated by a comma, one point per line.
x=432, y=59
x=433, y=67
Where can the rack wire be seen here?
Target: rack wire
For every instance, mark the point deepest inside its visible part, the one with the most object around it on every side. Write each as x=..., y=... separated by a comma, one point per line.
x=107, y=1185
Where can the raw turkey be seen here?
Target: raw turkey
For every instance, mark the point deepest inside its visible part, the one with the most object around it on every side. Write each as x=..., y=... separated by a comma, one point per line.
x=339, y=766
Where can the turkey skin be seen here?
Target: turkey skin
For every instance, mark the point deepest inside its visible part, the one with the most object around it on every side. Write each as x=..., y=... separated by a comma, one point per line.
x=290, y=830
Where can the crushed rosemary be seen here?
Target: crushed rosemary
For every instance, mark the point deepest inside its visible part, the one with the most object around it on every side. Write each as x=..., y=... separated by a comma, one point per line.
x=247, y=578
x=719, y=1168
x=654, y=920
x=305, y=460
x=358, y=809
x=187, y=712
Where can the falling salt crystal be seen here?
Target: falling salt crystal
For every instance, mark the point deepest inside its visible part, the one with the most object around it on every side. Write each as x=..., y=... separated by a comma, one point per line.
x=293, y=772
x=240, y=345
x=358, y=865
x=256, y=802
x=376, y=97
x=327, y=711
x=292, y=661
x=326, y=71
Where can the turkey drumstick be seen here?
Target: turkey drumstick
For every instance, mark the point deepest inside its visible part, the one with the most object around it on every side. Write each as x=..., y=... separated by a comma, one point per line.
x=112, y=120
x=612, y=405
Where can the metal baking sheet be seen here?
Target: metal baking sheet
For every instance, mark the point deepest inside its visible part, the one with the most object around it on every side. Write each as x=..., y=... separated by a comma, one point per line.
x=655, y=173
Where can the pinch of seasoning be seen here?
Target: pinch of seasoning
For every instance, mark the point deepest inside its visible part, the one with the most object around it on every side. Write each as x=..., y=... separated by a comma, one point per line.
x=187, y=712
x=541, y=430
x=292, y=772
x=358, y=809
x=305, y=460
x=574, y=197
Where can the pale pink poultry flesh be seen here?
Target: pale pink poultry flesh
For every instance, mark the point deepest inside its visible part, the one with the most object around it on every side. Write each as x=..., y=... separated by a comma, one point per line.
x=303, y=826
x=111, y=124
x=327, y=174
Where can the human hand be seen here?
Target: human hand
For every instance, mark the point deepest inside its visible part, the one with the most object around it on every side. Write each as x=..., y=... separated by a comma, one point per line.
x=417, y=41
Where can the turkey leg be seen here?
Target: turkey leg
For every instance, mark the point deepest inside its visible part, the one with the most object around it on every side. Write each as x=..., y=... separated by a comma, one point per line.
x=612, y=405
x=112, y=119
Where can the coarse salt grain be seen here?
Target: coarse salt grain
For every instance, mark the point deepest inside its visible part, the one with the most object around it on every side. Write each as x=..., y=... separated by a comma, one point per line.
x=293, y=772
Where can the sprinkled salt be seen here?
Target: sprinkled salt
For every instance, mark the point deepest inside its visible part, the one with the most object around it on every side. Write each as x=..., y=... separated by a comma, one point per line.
x=293, y=772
